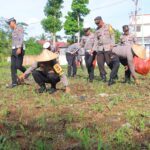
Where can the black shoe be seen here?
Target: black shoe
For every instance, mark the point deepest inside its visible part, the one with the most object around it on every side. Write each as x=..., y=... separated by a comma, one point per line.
x=10, y=86
x=52, y=90
x=42, y=89
x=116, y=77
x=111, y=82
x=103, y=78
x=127, y=81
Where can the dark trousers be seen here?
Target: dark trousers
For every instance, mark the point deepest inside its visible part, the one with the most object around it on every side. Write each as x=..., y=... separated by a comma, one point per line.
x=41, y=78
x=16, y=63
x=114, y=65
x=102, y=57
x=124, y=62
x=89, y=64
x=72, y=68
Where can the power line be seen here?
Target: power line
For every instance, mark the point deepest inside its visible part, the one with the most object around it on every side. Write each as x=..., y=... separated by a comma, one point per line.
x=101, y=7
x=109, y=5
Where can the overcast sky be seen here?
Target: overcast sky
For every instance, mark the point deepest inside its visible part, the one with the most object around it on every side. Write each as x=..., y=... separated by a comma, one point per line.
x=114, y=12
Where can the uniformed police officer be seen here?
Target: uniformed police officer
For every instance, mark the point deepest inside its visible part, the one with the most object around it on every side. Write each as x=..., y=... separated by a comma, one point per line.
x=50, y=72
x=71, y=54
x=17, y=51
x=52, y=48
x=87, y=43
x=103, y=43
x=126, y=39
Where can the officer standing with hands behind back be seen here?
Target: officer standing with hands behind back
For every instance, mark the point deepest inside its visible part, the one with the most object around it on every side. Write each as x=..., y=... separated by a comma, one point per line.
x=17, y=51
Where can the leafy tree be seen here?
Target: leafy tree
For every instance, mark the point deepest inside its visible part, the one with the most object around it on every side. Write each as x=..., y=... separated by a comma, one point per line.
x=74, y=19
x=117, y=36
x=32, y=47
x=5, y=38
x=53, y=23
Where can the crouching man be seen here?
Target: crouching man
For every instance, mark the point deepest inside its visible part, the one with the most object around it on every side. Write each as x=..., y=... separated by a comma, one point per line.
x=49, y=72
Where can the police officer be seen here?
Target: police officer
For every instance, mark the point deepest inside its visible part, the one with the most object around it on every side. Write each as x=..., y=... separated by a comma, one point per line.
x=87, y=43
x=127, y=38
x=17, y=51
x=103, y=44
x=71, y=54
x=49, y=46
x=47, y=70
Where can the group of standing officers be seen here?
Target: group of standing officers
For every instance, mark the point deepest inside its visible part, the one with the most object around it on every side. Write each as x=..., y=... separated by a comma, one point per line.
x=101, y=46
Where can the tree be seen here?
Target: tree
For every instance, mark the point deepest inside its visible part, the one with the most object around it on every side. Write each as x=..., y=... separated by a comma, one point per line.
x=32, y=47
x=53, y=23
x=117, y=36
x=74, y=19
x=5, y=38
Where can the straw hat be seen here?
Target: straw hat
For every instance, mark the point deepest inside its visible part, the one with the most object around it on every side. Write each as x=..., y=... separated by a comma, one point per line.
x=139, y=51
x=46, y=55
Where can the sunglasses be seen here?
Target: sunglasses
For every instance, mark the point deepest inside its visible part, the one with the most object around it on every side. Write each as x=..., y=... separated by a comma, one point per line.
x=97, y=23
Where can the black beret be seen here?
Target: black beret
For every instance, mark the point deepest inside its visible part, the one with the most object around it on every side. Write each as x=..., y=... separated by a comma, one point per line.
x=98, y=18
x=86, y=29
x=11, y=19
x=125, y=27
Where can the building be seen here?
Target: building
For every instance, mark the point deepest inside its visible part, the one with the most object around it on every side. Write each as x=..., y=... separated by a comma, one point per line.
x=141, y=26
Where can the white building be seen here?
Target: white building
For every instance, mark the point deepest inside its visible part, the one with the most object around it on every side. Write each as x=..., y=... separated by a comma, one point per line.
x=141, y=26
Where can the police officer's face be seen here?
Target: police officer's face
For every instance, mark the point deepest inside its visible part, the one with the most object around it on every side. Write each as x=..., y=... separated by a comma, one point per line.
x=87, y=33
x=99, y=23
x=12, y=24
x=126, y=31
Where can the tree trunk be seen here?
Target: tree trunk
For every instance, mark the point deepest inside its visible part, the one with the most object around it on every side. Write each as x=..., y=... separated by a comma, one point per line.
x=54, y=39
x=79, y=30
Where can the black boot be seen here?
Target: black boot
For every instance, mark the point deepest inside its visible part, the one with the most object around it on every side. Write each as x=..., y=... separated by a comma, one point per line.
x=52, y=90
x=42, y=89
x=103, y=78
x=127, y=80
x=116, y=77
x=10, y=86
x=111, y=82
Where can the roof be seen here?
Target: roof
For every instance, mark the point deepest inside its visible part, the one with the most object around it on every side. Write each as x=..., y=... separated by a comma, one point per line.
x=59, y=44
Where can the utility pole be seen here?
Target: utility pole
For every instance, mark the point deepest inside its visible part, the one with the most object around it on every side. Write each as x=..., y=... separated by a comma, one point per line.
x=143, y=40
x=78, y=18
x=135, y=13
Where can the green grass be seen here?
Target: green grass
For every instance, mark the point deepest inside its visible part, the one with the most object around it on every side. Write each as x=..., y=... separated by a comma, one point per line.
x=83, y=117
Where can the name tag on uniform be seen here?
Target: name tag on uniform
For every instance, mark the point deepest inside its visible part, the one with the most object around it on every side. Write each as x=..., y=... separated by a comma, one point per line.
x=13, y=47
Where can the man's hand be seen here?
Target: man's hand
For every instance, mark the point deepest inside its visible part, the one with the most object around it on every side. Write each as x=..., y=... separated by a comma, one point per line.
x=126, y=68
x=18, y=51
x=67, y=90
x=91, y=52
x=22, y=77
x=137, y=81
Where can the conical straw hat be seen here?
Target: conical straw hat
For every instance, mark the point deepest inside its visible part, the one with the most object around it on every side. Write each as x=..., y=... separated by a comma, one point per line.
x=139, y=51
x=46, y=55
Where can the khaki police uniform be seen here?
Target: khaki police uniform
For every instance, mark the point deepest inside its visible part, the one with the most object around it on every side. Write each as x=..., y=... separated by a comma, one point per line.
x=127, y=39
x=103, y=43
